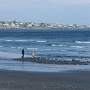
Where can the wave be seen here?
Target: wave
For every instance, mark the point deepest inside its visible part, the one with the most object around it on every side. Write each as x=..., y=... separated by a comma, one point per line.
x=10, y=55
x=19, y=47
x=19, y=40
x=23, y=40
x=9, y=40
x=41, y=41
x=82, y=42
x=1, y=46
x=77, y=46
x=39, y=49
x=13, y=47
x=26, y=40
x=15, y=40
x=33, y=48
x=1, y=39
x=63, y=50
x=48, y=49
x=56, y=45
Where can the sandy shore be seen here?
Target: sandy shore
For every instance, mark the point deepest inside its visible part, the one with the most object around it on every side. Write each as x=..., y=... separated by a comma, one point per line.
x=17, y=80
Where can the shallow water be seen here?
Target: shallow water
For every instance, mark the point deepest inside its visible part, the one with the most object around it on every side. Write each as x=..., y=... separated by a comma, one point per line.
x=29, y=66
x=60, y=44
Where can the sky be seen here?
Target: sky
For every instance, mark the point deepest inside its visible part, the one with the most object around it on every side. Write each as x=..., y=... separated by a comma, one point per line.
x=47, y=11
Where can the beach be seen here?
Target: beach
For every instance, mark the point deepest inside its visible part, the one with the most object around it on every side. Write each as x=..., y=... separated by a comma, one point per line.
x=61, y=62
x=21, y=80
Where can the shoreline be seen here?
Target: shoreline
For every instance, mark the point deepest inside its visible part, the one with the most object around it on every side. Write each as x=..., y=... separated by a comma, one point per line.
x=44, y=28
x=44, y=60
x=15, y=80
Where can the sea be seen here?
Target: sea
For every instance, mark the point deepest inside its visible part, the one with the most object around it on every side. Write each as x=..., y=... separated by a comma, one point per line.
x=61, y=44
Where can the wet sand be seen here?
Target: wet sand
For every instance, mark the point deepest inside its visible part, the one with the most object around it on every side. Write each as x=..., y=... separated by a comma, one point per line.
x=17, y=80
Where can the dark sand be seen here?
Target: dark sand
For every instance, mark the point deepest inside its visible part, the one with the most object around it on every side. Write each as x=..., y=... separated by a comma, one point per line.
x=17, y=80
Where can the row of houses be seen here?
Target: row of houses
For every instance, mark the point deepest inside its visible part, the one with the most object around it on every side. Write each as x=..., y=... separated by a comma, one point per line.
x=27, y=25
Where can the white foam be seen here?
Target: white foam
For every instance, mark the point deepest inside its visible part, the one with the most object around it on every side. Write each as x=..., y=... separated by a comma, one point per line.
x=1, y=46
x=24, y=40
x=10, y=55
x=33, y=48
x=19, y=47
x=41, y=41
x=13, y=47
x=21, y=40
x=77, y=46
x=82, y=42
x=56, y=45
x=8, y=40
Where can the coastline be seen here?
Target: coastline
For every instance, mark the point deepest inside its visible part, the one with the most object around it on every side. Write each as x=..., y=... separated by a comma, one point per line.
x=18, y=80
x=15, y=24
x=44, y=60
x=36, y=28
x=42, y=28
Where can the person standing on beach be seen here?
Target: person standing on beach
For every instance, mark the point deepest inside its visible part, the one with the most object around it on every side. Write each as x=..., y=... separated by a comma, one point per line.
x=23, y=53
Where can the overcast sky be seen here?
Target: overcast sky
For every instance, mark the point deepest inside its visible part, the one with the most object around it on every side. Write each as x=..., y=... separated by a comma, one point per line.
x=48, y=11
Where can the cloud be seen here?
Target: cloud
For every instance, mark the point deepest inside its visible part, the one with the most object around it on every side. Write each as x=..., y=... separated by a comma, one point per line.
x=26, y=4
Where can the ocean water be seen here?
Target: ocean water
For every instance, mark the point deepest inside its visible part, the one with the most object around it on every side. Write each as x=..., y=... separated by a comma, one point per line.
x=50, y=43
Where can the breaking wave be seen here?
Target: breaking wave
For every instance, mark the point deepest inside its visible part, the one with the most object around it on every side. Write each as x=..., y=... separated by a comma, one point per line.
x=57, y=45
x=8, y=40
x=82, y=42
x=33, y=48
x=77, y=46
x=23, y=40
x=41, y=41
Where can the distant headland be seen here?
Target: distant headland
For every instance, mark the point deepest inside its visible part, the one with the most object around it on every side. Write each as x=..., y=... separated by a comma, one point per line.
x=33, y=25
